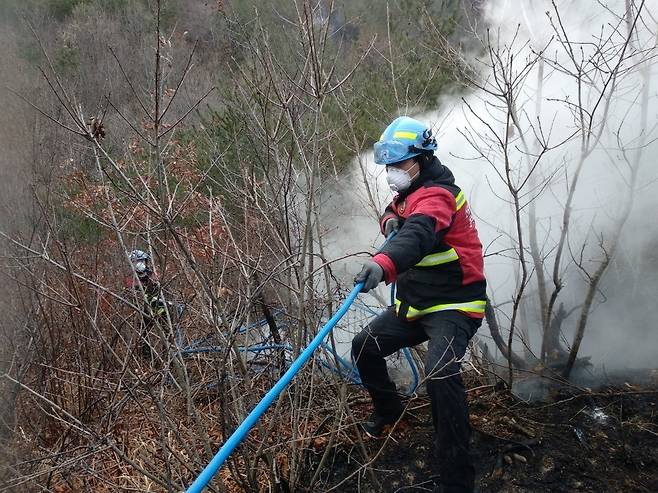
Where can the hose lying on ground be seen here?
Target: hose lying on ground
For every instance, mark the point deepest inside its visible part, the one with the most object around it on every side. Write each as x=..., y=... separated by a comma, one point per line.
x=253, y=417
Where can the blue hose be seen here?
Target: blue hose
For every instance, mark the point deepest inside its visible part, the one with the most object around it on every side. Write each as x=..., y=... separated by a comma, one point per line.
x=348, y=370
x=242, y=430
x=406, y=351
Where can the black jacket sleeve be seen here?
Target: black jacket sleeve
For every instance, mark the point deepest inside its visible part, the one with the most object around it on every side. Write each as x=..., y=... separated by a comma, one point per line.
x=414, y=241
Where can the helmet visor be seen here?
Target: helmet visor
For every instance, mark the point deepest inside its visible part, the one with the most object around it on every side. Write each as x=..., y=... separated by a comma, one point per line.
x=391, y=151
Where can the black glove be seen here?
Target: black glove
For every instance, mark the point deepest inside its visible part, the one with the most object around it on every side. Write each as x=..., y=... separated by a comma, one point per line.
x=371, y=275
x=391, y=225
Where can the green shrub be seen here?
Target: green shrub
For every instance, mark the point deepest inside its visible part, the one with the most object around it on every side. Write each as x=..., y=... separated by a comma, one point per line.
x=61, y=9
x=80, y=228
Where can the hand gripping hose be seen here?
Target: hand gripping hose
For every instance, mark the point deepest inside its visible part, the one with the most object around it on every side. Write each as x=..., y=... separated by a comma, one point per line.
x=253, y=417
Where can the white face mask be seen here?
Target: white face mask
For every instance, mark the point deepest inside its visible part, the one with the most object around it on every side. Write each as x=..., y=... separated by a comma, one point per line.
x=140, y=267
x=398, y=179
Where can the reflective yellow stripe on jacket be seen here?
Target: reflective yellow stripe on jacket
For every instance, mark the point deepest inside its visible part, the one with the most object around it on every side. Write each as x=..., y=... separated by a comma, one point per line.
x=476, y=306
x=460, y=200
x=438, y=258
x=449, y=255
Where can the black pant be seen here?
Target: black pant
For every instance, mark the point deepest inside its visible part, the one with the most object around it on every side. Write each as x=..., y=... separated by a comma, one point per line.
x=448, y=333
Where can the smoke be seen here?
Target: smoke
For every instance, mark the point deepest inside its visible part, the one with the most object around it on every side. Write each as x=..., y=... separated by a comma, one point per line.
x=621, y=330
x=617, y=335
x=15, y=136
x=16, y=141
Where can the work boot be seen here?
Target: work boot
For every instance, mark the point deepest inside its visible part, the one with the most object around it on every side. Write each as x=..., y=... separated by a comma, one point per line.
x=376, y=423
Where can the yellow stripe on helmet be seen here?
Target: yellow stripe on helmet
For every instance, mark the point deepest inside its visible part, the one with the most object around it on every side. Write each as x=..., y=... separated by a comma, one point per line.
x=404, y=135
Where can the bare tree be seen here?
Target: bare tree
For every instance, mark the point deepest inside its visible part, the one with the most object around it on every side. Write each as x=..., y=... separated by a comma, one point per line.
x=521, y=131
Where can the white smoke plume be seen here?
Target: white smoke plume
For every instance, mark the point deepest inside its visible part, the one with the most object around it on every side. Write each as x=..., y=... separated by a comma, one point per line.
x=621, y=330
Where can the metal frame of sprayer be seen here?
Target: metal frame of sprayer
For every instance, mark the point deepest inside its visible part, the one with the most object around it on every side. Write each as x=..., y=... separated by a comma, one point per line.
x=252, y=418
x=333, y=361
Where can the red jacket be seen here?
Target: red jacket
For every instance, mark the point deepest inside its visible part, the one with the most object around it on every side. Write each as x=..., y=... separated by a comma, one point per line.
x=436, y=256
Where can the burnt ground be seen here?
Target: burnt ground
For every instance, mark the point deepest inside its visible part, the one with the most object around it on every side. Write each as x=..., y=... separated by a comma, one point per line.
x=585, y=441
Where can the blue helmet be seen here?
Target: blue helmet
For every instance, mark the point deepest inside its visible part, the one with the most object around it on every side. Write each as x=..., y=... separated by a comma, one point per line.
x=140, y=260
x=404, y=138
x=139, y=255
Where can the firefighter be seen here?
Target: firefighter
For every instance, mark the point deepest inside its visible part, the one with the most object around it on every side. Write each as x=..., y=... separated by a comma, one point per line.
x=143, y=280
x=436, y=260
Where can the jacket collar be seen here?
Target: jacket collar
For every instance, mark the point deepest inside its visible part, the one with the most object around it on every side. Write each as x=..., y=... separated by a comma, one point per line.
x=434, y=173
